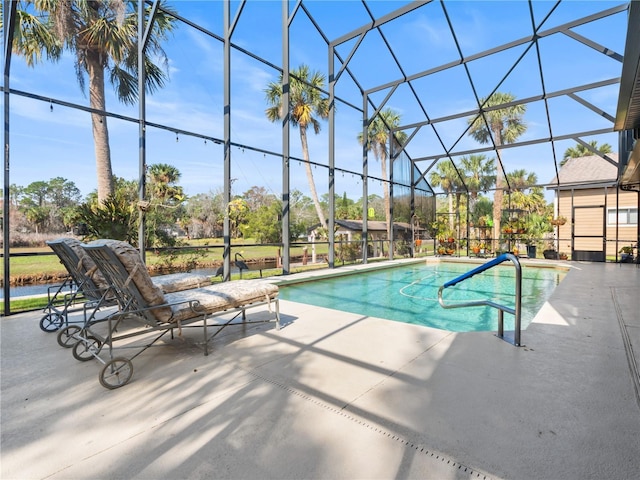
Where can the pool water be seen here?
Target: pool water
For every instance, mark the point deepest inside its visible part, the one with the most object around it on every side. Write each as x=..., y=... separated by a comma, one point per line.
x=409, y=294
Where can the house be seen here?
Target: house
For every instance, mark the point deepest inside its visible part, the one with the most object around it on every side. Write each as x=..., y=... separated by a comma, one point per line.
x=377, y=231
x=600, y=218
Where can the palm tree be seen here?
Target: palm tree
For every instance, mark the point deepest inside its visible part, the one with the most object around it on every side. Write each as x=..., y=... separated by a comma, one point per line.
x=504, y=126
x=163, y=178
x=521, y=179
x=581, y=151
x=479, y=174
x=446, y=177
x=378, y=137
x=306, y=102
x=103, y=36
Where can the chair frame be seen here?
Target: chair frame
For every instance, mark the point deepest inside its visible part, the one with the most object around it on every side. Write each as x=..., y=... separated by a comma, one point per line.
x=118, y=370
x=78, y=288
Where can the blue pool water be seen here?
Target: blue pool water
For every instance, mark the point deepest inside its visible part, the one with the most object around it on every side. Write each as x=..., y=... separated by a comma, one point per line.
x=410, y=294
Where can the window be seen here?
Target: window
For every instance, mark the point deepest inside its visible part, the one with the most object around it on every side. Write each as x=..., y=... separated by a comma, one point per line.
x=625, y=216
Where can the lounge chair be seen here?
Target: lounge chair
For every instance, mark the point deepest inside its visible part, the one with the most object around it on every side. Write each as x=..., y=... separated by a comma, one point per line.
x=88, y=289
x=83, y=289
x=158, y=312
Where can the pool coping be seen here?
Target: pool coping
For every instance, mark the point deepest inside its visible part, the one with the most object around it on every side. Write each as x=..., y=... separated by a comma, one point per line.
x=310, y=275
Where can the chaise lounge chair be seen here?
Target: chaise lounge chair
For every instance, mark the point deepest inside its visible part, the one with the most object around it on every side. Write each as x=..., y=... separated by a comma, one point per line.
x=159, y=312
x=87, y=287
x=84, y=288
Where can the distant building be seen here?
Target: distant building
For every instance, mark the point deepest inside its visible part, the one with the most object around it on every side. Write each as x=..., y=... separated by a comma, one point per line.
x=377, y=231
x=600, y=219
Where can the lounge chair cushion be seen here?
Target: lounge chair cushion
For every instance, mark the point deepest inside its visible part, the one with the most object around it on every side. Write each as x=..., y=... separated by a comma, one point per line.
x=176, y=282
x=88, y=264
x=219, y=297
x=138, y=273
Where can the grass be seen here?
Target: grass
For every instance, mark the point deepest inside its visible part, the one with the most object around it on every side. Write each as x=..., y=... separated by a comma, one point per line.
x=40, y=302
x=45, y=266
x=26, y=305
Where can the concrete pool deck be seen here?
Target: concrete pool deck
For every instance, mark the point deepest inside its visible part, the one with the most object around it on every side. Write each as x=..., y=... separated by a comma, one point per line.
x=335, y=395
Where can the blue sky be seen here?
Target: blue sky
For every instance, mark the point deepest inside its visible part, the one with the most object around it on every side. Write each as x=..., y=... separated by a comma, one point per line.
x=47, y=143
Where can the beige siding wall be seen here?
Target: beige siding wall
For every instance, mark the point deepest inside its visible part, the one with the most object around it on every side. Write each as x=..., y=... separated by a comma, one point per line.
x=588, y=221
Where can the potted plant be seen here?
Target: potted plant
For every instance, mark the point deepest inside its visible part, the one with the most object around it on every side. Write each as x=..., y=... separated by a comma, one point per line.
x=550, y=252
x=558, y=221
x=627, y=254
x=536, y=228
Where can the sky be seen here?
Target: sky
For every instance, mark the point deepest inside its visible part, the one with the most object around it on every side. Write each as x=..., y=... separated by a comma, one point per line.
x=49, y=140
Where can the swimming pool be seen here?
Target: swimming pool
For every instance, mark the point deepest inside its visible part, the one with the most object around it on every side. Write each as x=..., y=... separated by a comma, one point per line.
x=409, y=294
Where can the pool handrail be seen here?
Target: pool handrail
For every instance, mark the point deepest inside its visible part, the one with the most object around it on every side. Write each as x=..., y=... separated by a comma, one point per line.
x=517, y=311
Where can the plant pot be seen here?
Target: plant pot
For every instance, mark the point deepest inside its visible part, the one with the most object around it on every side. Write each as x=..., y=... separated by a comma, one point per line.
x=626, y=258
x=531, y=251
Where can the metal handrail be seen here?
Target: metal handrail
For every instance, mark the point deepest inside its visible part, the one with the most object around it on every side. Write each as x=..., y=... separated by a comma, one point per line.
x=517, y=311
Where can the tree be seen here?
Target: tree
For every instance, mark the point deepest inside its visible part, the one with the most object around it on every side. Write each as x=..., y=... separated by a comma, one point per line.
x=262, y=222
x=238, y=210
x=35, y=194
x=502, y=126
x=521, y=179
x=446, y=177
x=377, y=139
x=479, y=174
x=346, y=209
x=307, y=105
x=116, y=217
x=103, y=37
x=257, y=196
x=581, y=151
x=163, y=179
x=63, y=193
x=48, y=204
x=37, y=215
x=302, y=213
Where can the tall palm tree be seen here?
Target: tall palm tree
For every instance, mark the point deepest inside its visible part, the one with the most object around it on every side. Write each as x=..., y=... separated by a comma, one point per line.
x=103, y=36
x=581, y=151
x=378, y=138
x=479, y=174
x=446, y=177
x=307, y=105
x=521, y=179
x=504, y=126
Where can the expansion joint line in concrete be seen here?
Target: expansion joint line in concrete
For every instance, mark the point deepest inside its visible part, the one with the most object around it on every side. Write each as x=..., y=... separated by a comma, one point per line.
x=420, y=449
x=628, y=347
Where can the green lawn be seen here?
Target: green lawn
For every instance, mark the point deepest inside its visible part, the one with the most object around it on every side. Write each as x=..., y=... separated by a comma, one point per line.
x=41, y=265
x=47, y=268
